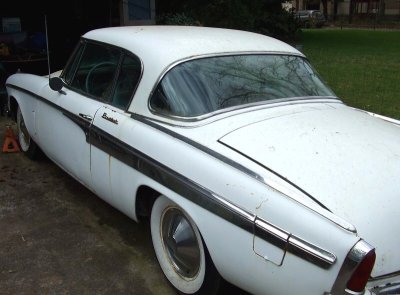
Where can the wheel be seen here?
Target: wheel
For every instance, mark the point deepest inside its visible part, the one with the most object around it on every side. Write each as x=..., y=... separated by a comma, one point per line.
x=28, y=146
x=180, y=250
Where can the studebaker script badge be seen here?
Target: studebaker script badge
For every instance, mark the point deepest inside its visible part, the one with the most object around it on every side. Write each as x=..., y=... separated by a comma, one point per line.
x=112, y=120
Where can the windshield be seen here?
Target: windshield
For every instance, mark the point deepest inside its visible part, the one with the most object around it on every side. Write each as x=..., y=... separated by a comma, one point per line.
x=206, y=85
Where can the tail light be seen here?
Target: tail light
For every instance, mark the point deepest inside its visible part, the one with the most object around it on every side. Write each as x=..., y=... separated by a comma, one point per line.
x=360, y=276
x=355, y=271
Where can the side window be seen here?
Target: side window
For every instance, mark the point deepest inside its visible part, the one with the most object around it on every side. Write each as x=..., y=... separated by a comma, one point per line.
x=127, y=80
x=96, y=71
x=71, y=67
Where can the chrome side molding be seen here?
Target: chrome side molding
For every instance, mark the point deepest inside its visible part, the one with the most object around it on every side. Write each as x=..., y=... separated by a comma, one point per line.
x=293, y=244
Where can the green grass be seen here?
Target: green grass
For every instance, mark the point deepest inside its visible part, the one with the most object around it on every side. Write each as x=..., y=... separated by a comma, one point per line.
x=361, y=66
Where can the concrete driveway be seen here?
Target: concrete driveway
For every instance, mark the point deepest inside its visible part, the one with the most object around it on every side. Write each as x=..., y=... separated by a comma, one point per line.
x=59, y=238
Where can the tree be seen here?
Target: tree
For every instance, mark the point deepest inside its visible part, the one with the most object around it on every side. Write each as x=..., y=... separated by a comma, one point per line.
x=262, y=16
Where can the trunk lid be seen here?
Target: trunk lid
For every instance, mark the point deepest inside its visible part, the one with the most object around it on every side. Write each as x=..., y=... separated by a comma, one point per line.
x=347, y=159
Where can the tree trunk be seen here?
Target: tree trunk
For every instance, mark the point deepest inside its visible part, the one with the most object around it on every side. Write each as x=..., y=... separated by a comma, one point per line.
x=325, y=4
x=382, y=5
x=335, y=9
x=351, y=11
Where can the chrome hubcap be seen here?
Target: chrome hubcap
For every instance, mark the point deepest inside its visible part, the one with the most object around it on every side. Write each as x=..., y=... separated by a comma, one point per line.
x=180, y=243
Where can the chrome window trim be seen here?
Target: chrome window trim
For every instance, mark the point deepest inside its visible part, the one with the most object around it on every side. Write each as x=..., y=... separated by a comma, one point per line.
x=208, y=115
x=123, y=53
x=240, y=107
x=350, y=264
x=193, y=124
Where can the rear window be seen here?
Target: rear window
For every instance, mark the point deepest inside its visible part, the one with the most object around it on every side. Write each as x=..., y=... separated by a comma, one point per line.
x=203, y=86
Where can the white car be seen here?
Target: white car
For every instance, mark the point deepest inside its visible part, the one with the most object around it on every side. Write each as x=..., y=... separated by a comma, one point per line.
x=248, y=166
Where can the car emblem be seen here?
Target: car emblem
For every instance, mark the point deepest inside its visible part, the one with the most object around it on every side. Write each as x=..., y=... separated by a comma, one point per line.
x=112, y=120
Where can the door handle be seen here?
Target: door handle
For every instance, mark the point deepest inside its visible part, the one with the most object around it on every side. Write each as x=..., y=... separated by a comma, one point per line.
x=87, y=117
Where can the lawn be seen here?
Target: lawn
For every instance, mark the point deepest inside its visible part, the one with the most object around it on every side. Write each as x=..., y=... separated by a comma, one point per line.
x=361, y=66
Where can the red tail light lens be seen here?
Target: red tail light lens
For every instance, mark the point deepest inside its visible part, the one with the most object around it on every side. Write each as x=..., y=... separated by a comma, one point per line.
x=360, y=276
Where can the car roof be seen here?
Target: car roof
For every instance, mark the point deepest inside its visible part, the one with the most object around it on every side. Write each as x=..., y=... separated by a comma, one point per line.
x=179, y=42
x=159, y=47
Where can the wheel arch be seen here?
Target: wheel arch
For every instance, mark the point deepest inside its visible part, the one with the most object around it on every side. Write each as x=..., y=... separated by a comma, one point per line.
x=146, y=195
x=12, y=107
x=145, y=198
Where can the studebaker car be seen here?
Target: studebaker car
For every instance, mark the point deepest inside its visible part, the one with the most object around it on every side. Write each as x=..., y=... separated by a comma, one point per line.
x=248, y=166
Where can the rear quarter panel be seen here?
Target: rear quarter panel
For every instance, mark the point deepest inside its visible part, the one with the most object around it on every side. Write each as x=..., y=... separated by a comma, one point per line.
x=231, y=247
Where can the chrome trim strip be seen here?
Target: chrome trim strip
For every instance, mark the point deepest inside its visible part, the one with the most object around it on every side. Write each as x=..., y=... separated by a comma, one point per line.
x=197, y=145
x=79, y=120
x=271, y=233
x=50, y=103
x=387, y=119
x=206, y=199
x=275, y=173
x=315, y=254
x=245, y=214
x=86, y=117
x=170, y=179
x=148, y=121
x=191, y=190
x=382, y=277
x=352, y=260
x=182, y=124
x=388, y=289
x=292, y=244
x=145, y=120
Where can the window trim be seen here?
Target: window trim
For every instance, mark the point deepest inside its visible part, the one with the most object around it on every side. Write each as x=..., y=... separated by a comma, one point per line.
x=230, y=109
x=123, y=52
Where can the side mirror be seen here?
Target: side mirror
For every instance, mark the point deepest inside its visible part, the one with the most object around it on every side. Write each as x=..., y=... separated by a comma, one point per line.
x=56, y=83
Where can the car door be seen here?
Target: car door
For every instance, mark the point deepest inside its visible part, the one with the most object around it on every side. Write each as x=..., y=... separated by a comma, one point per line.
x=63, y=122
x=111, y=177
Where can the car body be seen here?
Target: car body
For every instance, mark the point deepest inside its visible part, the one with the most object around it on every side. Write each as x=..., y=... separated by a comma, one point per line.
x=247, y=164
x=310, y=18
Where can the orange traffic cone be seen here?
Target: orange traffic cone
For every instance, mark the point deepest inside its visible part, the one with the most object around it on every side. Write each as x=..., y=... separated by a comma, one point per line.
x=10, y=144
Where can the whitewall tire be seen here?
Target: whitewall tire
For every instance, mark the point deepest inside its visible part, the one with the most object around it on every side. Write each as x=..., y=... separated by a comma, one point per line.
x=180, y=250
x=28, y=146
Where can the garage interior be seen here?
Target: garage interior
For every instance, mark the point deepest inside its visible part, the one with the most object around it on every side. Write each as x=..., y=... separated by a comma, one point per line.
x=23, y=31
